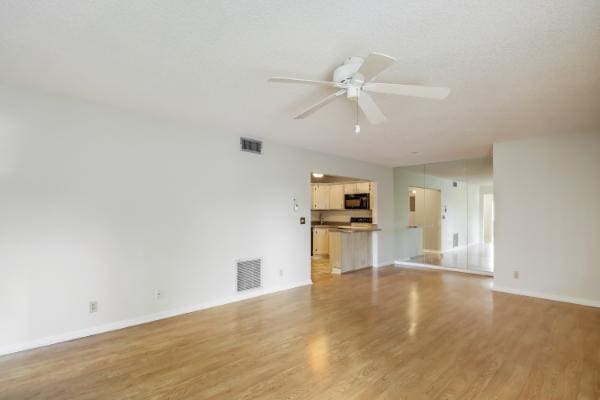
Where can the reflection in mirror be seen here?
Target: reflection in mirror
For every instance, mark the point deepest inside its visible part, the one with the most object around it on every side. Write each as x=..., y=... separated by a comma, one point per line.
x=408, y=240
x=415, y=178
x=449, y=206
x=444, y=231
x=481, y=214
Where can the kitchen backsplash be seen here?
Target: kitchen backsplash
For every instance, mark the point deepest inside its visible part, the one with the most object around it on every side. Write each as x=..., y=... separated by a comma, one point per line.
x=338, y=215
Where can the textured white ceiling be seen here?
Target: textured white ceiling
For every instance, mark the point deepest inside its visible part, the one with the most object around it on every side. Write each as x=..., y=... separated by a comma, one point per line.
x=516, y=68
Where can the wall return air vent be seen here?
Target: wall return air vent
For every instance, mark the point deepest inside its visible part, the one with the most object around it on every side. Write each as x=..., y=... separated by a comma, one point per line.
x=251, y=145
x=249, y=274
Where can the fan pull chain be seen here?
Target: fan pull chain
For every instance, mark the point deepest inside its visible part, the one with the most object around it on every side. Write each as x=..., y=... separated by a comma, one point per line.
x=357, y=126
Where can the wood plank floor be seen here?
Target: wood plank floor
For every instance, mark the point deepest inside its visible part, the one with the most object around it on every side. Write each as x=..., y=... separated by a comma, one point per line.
x=320, y=269
x=391, y=333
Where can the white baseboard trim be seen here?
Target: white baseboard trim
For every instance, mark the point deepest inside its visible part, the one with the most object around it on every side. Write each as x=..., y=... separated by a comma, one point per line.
x=432, y=251
x=384, y=264
x=113, y=326
x=548, y=296
x=427, y=266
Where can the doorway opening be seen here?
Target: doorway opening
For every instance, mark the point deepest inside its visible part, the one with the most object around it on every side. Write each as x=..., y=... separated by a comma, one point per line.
x=340, y=205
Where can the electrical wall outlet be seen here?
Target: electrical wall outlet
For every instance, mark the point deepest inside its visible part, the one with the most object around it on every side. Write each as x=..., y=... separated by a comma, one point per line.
x=157, y=294
x=515, y=274
x=93, y=306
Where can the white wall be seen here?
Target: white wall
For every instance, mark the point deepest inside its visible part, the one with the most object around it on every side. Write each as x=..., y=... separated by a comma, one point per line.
x=100, y=204
x=547, y=217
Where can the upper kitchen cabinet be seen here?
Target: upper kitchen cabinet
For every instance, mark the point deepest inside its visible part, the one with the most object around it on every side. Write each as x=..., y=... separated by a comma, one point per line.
x=358, y=187
x=336, y=197
x=363, y=187
x=320, y=197
x=331, y=196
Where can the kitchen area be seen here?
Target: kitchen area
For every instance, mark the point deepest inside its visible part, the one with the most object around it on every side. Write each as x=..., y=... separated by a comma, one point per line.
x=343, y=215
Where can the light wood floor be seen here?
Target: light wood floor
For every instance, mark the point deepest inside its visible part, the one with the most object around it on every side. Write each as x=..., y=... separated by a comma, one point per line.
x=320, y=269
x=373, y=334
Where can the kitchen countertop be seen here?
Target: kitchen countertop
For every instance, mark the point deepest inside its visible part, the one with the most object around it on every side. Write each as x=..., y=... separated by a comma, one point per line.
x=354, y=229
x=346, y=228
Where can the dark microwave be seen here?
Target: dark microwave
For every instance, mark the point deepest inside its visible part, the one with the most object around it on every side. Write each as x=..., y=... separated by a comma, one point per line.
x=358, y=201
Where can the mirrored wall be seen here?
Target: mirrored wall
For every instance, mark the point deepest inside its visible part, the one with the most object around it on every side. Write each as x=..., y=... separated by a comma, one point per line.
x=448, y=212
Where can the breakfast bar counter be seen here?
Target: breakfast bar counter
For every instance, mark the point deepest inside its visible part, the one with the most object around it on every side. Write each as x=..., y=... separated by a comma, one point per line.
x=350, y=248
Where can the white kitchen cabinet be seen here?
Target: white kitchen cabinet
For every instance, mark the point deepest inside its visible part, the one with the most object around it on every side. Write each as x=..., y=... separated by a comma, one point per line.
x=363, y=187
x=320, y=241
x=350, y=188
x=326, y=196
x=320, y=197
x=336, y=197
x=359, y=187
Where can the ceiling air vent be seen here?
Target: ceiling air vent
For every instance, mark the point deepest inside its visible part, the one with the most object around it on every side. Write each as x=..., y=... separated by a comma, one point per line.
x=251, y=145
x=248, y=274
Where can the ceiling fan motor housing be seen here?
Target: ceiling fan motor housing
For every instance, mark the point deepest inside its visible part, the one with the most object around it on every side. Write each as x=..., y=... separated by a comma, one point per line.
x=346, y=71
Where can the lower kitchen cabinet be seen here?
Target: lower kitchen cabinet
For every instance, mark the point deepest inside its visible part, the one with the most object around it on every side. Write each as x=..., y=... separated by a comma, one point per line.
x=320, y=241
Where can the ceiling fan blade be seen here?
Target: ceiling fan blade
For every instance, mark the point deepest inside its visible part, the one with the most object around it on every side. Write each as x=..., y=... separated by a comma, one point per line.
x=429, y=92
x=375, y=64
x=281, y=79
x=320, y=104
x=370, y=109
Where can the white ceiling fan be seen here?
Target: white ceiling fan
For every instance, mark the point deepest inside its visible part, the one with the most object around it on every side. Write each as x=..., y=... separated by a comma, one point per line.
x=355, y=78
